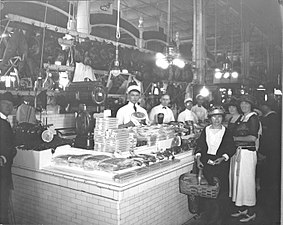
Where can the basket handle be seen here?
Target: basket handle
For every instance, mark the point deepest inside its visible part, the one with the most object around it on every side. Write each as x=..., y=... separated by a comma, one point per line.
x=199, y=176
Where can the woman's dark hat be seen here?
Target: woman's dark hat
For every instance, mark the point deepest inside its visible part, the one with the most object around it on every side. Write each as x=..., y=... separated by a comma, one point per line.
x=7, y=96
x=216, y=110
x=233, y=102
x=248, y=98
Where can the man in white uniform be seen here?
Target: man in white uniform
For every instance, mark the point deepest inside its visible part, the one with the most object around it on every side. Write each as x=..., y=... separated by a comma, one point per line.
x=199, y=110
x=162, y=108
x=187, y=114
x=124, y=114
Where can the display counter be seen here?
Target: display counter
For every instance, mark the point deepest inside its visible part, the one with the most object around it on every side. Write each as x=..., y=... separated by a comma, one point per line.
x=46, y=194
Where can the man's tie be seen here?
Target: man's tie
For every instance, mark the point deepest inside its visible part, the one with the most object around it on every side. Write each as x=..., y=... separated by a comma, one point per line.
x=164, y=107
x=135, y=108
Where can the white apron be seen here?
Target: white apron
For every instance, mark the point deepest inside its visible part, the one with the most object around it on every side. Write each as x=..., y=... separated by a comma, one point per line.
x=242, y=175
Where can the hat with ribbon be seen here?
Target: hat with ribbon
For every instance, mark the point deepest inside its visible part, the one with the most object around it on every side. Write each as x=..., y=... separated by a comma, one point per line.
x=248, y=98
x=216, y=110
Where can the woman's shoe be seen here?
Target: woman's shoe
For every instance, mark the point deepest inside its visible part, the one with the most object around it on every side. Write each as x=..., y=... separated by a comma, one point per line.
x=240, y=213
x=248, y=218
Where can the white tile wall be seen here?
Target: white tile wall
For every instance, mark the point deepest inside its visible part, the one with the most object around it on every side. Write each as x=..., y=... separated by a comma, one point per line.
x=56, y=200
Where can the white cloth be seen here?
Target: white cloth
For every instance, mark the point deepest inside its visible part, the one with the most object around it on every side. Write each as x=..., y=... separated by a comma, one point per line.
x=2, y=116
x=125, y=112
x=201, y=112
x=187, y=115
x=168, y=114
x=83, y=71
x=242, y=178
x=214, y=139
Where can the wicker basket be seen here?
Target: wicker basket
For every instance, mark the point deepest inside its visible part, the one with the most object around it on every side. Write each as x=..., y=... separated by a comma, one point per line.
x=188, y=185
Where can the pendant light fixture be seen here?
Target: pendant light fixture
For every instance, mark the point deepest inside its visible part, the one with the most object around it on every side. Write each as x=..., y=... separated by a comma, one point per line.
x=171, y=56
x=115, y=70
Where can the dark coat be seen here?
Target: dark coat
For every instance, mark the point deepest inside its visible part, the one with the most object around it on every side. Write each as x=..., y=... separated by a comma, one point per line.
x=8, y=150
x=270, y=146
x=221, y=171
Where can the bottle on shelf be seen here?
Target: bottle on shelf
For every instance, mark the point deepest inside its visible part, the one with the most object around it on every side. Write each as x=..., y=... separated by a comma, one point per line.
x=83, y=121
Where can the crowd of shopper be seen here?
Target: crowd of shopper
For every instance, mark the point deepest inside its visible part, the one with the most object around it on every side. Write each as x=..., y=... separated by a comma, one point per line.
x=244, y=154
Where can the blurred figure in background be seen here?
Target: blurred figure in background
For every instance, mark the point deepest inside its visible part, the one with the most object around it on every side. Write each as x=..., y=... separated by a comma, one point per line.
x=199, y=110
x=188, y=114
x=270, y=149
x=7, y=154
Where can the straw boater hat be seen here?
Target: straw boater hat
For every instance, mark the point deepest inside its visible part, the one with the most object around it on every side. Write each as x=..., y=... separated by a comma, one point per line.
x=248, y=98
x=7, y=96
x=216, y=110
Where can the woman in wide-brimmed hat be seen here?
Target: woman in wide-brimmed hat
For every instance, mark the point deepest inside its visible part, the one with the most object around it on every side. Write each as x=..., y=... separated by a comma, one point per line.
x=215, y=147
x=234, y=109
x=246, y=136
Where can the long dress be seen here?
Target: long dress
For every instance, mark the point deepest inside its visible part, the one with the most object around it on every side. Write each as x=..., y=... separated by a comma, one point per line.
x=243, y=171
x=225, y=146
x=213, y=144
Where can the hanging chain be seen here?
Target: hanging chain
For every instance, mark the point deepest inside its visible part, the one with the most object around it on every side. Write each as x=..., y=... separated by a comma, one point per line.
x=43, y=38
x=118, y=34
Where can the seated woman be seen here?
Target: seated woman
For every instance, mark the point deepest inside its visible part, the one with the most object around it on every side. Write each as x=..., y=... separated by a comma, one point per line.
x=215, y=147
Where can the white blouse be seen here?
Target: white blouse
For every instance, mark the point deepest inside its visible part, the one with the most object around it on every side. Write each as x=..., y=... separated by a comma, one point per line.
x=214, y=139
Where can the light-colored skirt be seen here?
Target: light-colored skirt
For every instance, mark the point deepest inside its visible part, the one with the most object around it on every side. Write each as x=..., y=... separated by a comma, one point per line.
x=242, y=188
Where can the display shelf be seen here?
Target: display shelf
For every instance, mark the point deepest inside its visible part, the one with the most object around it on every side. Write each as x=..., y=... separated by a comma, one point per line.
x=149, y=199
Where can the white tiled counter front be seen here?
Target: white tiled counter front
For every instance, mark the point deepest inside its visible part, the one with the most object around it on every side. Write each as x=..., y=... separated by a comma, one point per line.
x=49, y=197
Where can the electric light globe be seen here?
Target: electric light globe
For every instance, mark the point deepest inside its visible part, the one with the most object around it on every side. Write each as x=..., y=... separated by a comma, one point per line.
x=235, y=74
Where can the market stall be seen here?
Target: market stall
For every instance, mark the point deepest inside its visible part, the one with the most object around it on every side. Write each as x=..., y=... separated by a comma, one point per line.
x=49, y=194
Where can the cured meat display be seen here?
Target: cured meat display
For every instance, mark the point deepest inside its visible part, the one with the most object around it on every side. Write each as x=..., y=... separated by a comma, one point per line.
x=115, y=164
x=91, y=163
x=77, y=160
x=61, y=160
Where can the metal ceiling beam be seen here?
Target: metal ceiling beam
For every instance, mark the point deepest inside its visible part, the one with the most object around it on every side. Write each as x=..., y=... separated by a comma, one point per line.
x=62, y=30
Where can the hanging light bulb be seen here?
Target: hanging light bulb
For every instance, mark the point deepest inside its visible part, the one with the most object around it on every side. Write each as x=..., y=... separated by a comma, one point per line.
x=235, y=74
x=159, y=55
x=217, y=73
x=204, y=92
x=115, y=71
x=226, y=75
x=162, y=63
x=172, y=55
x=179, y=63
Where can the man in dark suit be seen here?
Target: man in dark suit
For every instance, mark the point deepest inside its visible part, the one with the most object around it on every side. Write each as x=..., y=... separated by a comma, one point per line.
x=270, y=147
x=7, y=154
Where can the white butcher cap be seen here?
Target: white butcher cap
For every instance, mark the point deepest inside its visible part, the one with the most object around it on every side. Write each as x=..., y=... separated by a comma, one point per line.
x=133, y=88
